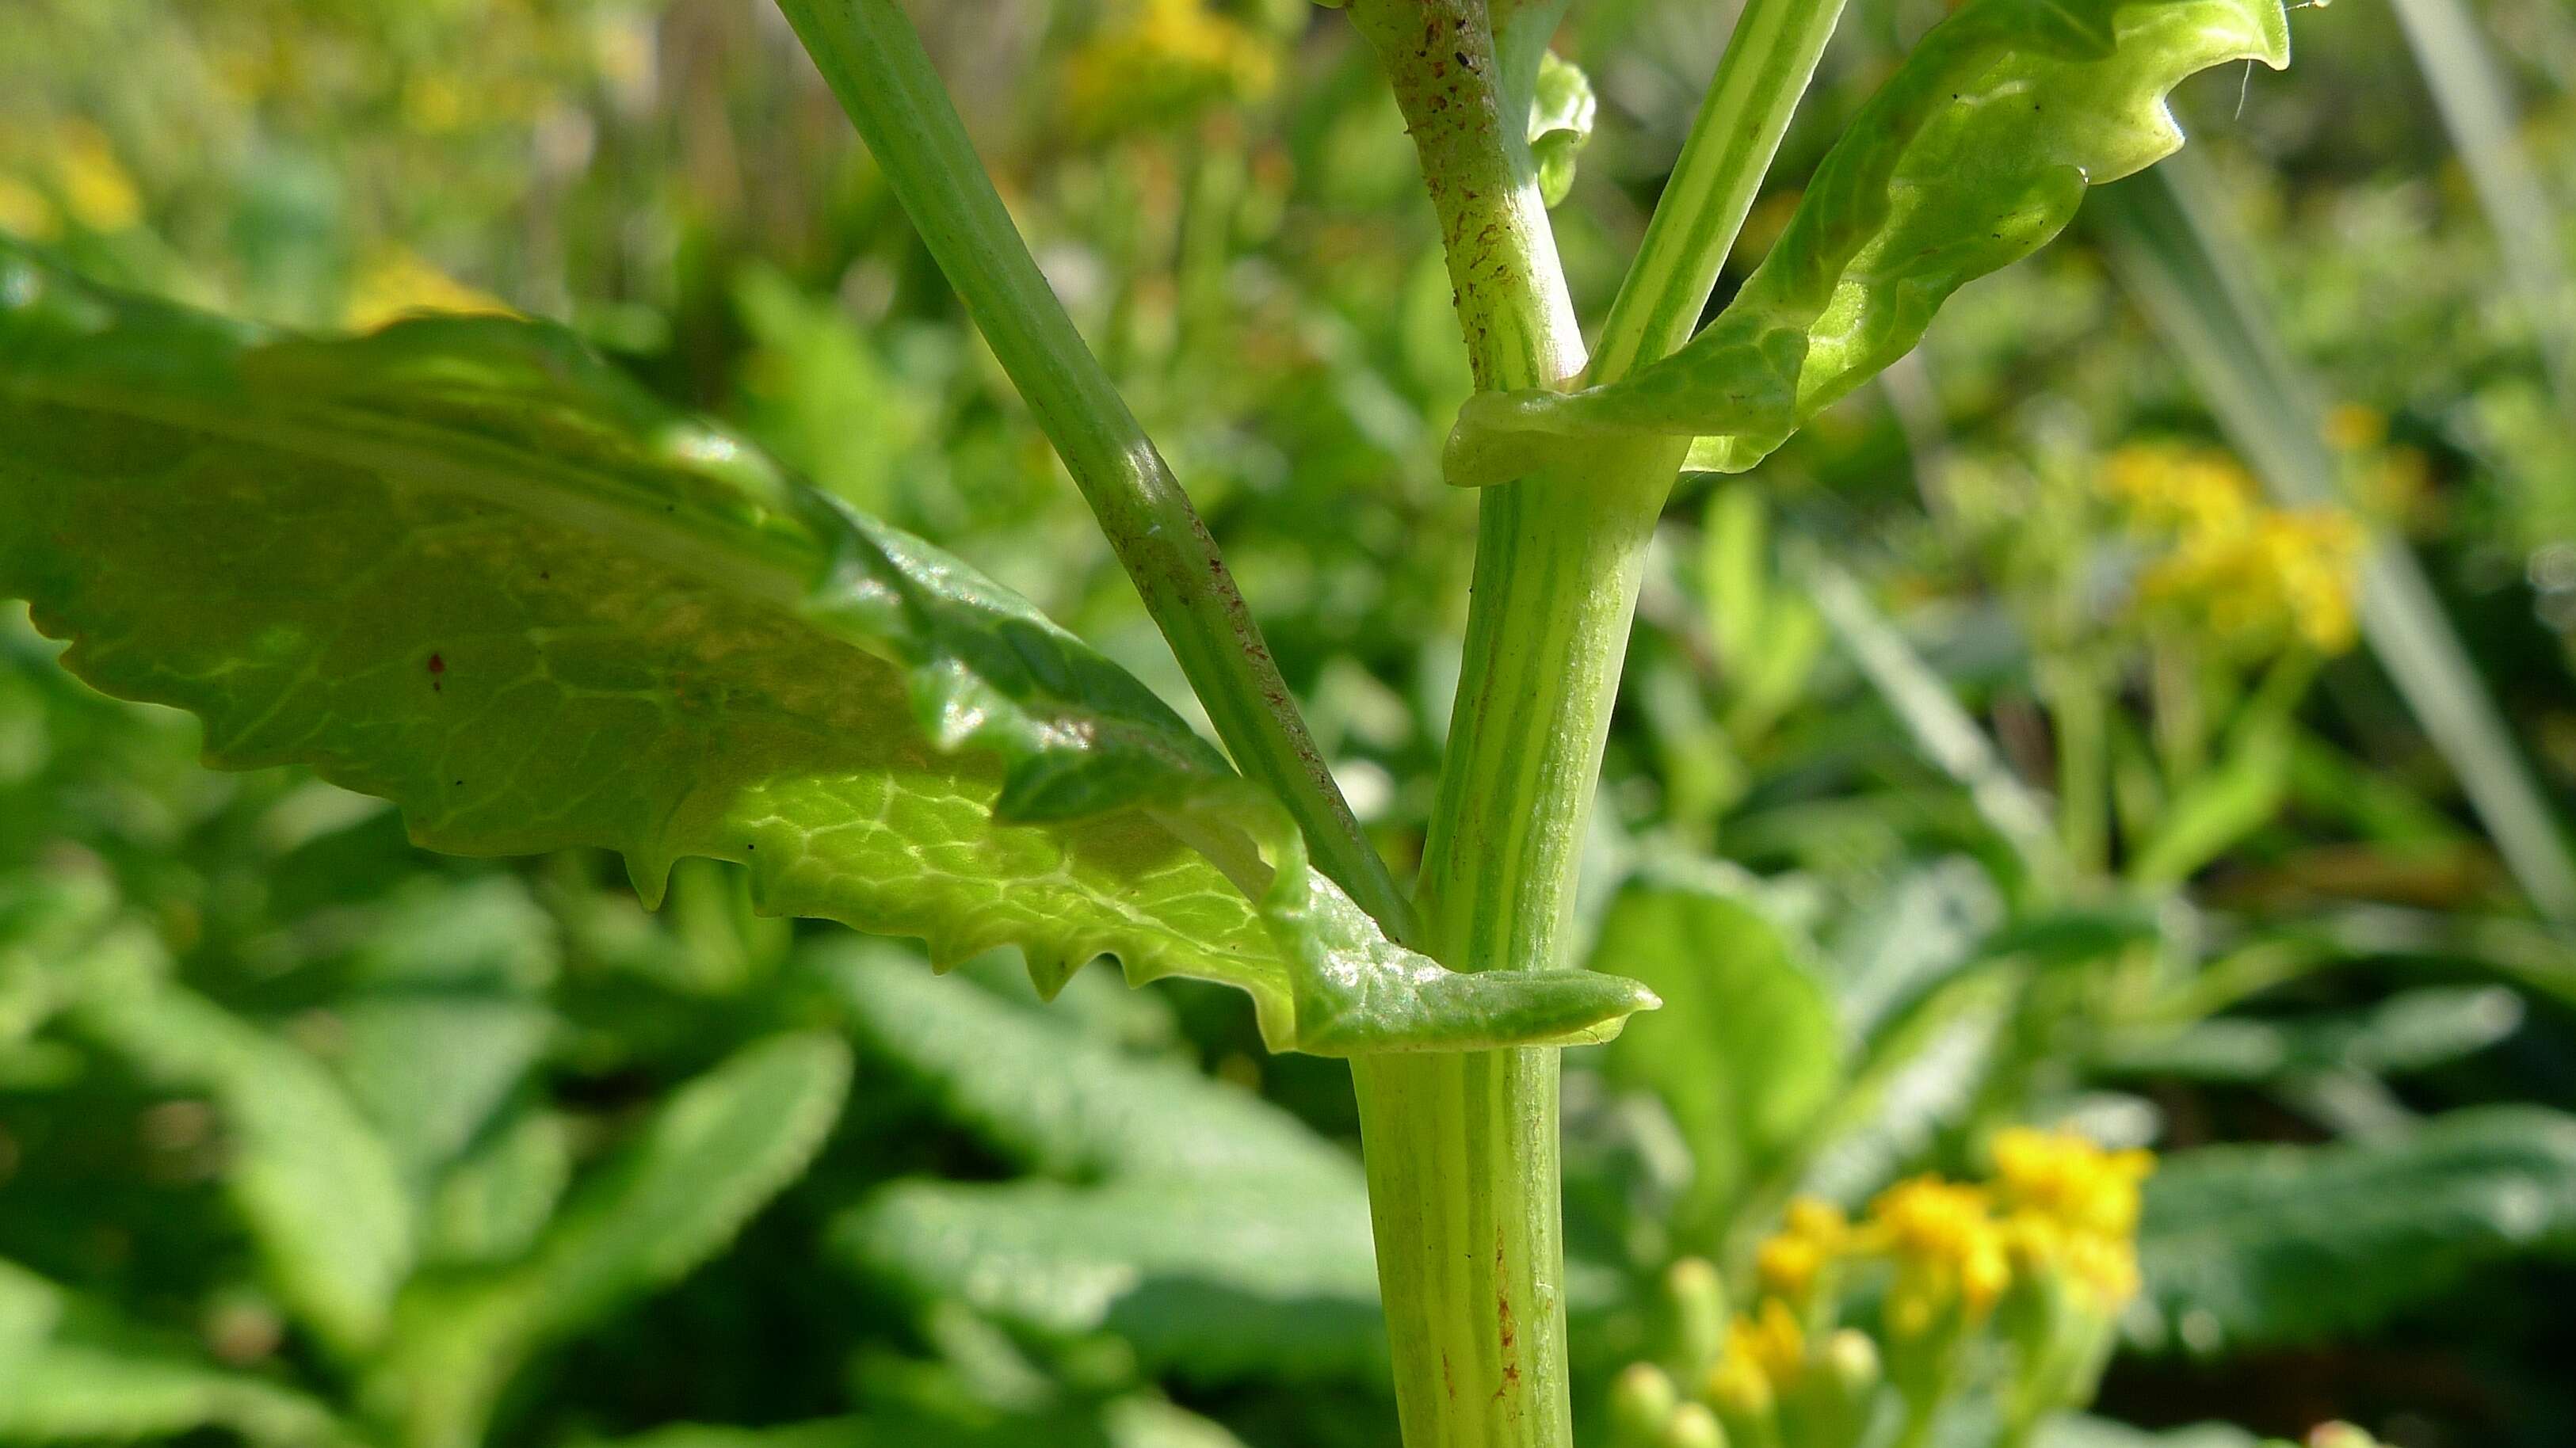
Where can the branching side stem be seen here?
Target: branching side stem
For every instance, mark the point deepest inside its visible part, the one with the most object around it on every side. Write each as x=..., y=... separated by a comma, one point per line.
x=870, y=55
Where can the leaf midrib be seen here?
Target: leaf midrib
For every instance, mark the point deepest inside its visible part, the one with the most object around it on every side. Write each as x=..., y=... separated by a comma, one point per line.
x=779, y=575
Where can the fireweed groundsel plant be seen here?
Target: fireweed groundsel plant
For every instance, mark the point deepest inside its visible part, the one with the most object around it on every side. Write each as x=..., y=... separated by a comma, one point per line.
x=462, y=564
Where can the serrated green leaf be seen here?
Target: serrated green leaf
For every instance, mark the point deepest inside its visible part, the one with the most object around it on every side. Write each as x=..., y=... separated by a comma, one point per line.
x=1058, y=1100
x=1212, y=1230
x=2410, y=1031
x=2246, y=1245
x=317, y=1186
x=1920, y=1078
x=1209, y=1278
x=72, y=1372
x=1746, y=1051
x=440, y=1024
x=490, y=1205
x=712, y=1156
x=498, y=584
x=1914, y=937
x=1972, y=156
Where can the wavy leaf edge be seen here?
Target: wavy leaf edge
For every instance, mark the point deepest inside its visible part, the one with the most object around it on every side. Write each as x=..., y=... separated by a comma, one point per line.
x=1826, y=310
x=1348, y=989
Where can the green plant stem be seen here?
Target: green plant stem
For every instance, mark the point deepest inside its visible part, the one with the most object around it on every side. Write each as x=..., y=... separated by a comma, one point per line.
x=1770, y=57
x=1462, y=1149
x=872, y=59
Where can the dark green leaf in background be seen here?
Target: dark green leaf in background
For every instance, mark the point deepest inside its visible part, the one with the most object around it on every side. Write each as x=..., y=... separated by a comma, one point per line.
x=1746, y=1051
x=2246, y=1245
x=1202, y=1225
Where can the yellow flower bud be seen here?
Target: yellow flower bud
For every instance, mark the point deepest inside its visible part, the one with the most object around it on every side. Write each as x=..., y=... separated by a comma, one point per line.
x=96, y=189
x=1642, y=1401
x=28, y=212
x=1696, y=1297
x=1788, y=1266
x=1851, y=1361
x=1772, y=1341
x=1692, y=1425
x=1738, y=1388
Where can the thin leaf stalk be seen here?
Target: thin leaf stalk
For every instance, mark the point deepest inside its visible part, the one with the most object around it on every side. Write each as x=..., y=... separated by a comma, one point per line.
x=873, y=61
x=1770, y=58
x=2475, y=98
x=2080, y=712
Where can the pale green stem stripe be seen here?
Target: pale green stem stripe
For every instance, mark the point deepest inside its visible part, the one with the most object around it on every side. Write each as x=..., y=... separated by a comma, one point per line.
x=1462, y=1150
x=869, y=54
x=1770, y=58
x=2196, y=288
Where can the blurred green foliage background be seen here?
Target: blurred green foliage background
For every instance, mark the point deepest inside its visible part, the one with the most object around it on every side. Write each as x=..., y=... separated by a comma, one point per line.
x=2054, y=777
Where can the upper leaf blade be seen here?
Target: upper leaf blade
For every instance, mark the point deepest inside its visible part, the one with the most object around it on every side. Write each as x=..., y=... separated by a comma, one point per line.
x=462, y=564
x=1972, y=156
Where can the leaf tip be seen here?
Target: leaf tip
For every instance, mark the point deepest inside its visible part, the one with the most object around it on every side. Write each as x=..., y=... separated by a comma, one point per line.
x=650, y=875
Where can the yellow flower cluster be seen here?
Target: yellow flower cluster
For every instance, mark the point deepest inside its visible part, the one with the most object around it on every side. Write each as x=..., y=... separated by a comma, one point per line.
x=2250, y=573
x=1161, y=61
x=1948, y=1250
x=396, y=283
x=2176, y=486
x=1813, y=1235
x=2071, y=1211
x=1770, y=1340
x=2059, y=1208
x=81, y=179
x=1765, y=1374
